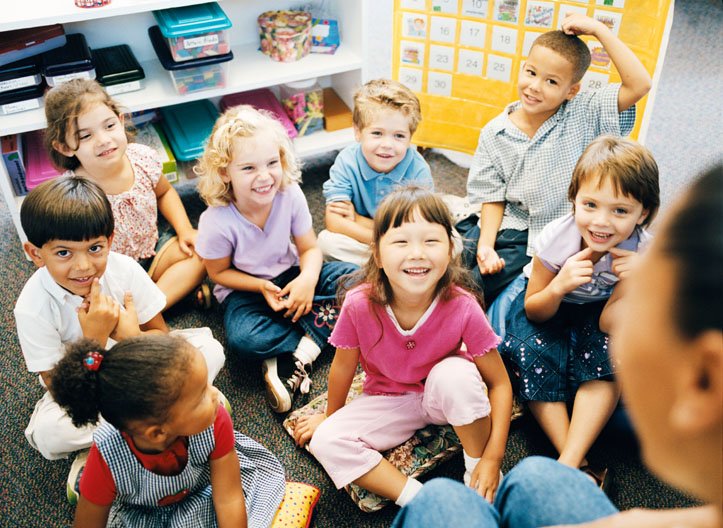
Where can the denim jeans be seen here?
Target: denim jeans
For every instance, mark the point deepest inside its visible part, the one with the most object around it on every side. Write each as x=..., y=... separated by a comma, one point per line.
x=255, y=331
x=510, y=245
x=537, y=492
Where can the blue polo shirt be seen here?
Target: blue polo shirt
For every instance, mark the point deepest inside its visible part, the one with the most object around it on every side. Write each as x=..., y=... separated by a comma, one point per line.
x=352, y=179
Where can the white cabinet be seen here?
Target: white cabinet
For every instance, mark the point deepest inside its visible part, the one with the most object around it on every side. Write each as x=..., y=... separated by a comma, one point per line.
x=127, y=22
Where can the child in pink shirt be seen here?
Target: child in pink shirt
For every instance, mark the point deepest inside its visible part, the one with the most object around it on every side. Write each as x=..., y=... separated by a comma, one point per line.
x=429, y=356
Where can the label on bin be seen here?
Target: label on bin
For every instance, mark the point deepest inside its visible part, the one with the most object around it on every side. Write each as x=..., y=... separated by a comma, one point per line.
x=60, y=79
x=20, y=106
x=21, y=82
x=130, y=86
x=199, y=42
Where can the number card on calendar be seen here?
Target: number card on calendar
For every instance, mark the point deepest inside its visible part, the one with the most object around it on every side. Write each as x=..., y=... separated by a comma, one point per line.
x=464, y=57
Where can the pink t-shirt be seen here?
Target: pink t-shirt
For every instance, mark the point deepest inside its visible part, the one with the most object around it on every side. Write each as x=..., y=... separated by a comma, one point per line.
x=136, y=210
x=398, y=361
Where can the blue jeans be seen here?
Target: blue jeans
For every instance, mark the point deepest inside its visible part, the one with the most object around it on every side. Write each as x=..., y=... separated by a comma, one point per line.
x=537, y=492
x=255, y=331
x=510, y=245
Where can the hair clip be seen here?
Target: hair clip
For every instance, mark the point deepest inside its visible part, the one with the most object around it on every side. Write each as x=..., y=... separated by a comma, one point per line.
x=92, y=360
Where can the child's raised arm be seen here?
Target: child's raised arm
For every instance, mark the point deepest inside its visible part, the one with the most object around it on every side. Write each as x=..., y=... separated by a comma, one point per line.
x=493, y=372
x=635, y=78
x=546, y=289
x=171, y=207
x=227, y=491
x=341, y=375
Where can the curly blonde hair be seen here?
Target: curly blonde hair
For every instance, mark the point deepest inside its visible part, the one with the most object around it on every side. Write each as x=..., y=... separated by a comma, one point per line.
x=243, y=121
x=380, y=94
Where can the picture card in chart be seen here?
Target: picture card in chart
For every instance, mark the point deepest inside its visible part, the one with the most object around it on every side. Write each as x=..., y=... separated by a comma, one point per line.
x=565, y=9
x=540, y=14
x=610, y=19
x=412, y=53
x=420, y=5
x=507, y=11
x=414, y=25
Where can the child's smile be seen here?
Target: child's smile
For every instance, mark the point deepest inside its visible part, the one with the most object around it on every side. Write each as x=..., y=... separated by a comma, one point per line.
x=604, y=217
x=414, y=257
x=385, y=140
x=255, y=172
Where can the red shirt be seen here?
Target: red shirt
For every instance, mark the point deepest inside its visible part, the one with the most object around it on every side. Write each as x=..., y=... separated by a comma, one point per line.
x=97, y=484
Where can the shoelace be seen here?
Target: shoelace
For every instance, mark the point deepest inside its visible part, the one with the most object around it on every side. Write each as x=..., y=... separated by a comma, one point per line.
x=300, y=378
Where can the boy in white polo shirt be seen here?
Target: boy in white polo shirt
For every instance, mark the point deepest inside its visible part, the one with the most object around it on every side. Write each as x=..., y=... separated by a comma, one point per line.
x=81, y=289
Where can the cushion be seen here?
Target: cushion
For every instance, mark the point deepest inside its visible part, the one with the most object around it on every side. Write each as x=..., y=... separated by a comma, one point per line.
x=297, y=506
x=421, y=453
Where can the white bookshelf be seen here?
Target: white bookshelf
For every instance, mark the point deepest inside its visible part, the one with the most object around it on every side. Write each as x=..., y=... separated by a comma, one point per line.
x=127, y=22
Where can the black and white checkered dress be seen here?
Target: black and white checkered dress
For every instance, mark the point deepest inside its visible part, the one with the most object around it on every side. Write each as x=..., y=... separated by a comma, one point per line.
x=140, y=490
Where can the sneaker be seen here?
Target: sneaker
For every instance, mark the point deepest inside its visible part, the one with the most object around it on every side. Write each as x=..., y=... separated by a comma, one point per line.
x=284, y=375
x=72, y=487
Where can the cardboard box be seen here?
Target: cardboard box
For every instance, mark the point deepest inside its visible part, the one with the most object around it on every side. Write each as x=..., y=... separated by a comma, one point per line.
x=152, y=136
x=12, y=152
x=337, y=115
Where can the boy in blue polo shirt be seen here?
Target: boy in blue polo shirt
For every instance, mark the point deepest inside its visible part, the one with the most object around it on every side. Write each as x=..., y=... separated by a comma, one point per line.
x=386, y=115
x=524, y=159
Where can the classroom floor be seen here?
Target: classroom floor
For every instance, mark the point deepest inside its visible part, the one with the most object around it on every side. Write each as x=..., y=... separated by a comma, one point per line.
x=684, y=135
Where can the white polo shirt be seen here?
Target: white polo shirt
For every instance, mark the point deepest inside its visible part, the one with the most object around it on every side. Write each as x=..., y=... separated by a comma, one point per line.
x=46, y=317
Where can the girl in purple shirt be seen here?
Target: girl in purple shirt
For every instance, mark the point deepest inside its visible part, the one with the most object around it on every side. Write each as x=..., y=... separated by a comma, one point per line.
x=428, y=353
x=259, y=247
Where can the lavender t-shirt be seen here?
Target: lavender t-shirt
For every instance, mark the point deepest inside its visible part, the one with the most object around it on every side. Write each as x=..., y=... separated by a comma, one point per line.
x=264, y=253
x=397, y=361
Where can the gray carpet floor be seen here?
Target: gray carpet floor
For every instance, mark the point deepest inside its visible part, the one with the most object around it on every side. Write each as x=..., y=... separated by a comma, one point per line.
x=684, y=135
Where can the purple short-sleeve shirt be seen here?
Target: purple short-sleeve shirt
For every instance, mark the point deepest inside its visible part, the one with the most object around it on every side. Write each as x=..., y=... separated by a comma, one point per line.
x=264, y=253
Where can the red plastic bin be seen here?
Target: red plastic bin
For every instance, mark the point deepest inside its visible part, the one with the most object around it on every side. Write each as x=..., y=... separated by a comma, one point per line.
x=38, y=167
x=262, y=98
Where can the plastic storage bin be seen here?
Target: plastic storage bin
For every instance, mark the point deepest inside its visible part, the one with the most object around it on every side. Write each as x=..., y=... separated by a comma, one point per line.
x=28, y=98
x=117, y=69
x=72, y=61
x=303, y=102
x=22, y=43
x=194, y=32
x=38, y=167
x=188, y=126
x=194, y=75
x=262, y=98
x=20, y=74
x=285, y=35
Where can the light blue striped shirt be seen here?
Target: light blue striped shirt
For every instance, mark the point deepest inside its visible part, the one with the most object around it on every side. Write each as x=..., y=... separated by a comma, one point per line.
x=532, y=174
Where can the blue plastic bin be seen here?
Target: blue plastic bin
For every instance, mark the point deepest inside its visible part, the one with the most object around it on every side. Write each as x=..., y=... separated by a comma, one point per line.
x=194, y=32
x=188, y=126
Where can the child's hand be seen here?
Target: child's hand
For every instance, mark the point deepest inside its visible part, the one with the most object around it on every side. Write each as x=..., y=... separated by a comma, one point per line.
x=299, y=296
x=343, y=209
x=305, y=428
x=271, y=291
x=578, y=24
x=623, y=261
x=576, y=271
x=187, y=241
x=486, y=479
x=127, y=321
x=98, y=314
x=488, y=260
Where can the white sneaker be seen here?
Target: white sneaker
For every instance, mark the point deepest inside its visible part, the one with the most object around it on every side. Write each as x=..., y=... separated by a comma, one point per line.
x=283, y=376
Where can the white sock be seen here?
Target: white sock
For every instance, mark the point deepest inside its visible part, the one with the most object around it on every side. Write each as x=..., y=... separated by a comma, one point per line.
x=307, y=351
x=469, y=464
x=410, y=490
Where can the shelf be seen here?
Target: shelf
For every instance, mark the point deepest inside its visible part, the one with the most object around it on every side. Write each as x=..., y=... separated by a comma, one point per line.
x=159, y=90
x=17, y=15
